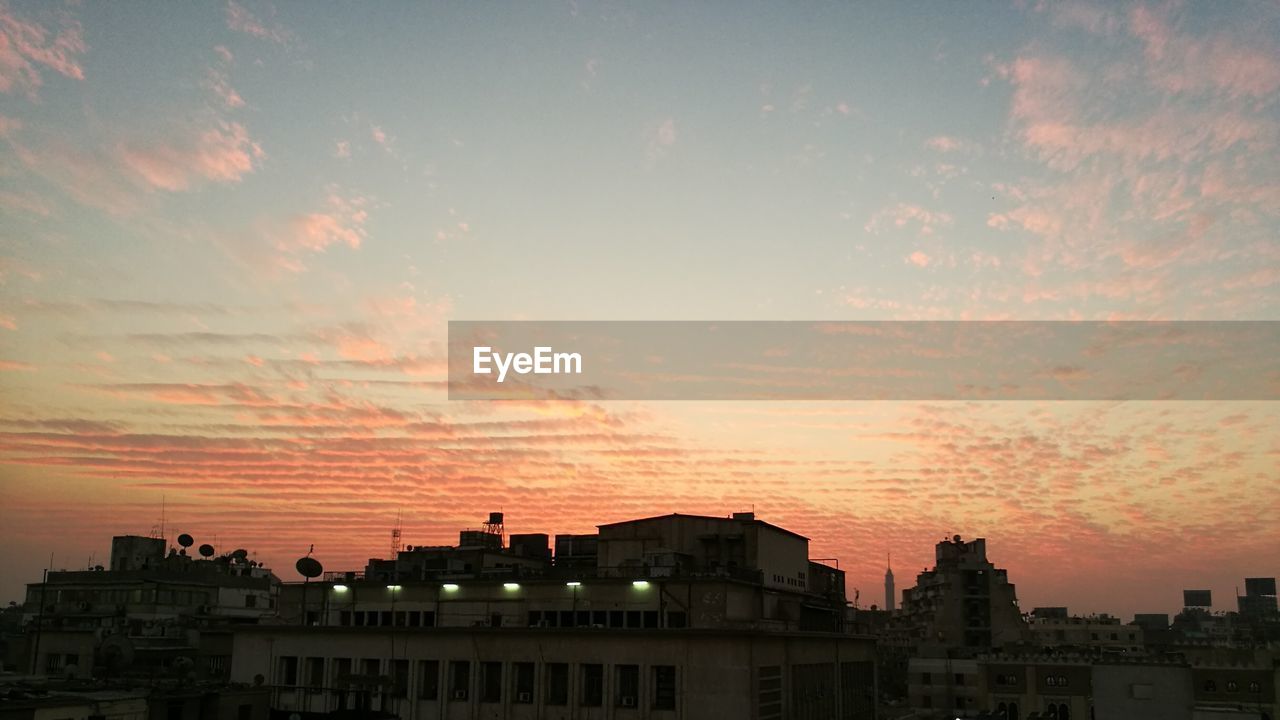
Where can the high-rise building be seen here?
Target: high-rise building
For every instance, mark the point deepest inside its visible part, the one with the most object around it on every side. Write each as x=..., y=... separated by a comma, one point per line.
x=965, y=604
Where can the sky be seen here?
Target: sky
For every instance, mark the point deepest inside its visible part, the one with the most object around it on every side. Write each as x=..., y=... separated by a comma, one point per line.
x=232, y=234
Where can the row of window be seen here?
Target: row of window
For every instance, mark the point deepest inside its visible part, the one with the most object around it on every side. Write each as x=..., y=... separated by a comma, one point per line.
x=634, y=619
x=1049, y=680
x=794, y=582
x=490, y=685
x=121, y=597
x=1006, y=711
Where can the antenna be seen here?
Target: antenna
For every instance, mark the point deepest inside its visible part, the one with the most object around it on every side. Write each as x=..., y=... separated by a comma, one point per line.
x=395, y=535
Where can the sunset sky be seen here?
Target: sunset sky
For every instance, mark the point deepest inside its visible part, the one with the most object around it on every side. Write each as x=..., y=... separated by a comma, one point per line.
x=232, y=234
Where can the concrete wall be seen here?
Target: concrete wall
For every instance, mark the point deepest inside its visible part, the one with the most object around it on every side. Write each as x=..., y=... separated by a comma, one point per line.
x=1142, y=692
x=716, y=674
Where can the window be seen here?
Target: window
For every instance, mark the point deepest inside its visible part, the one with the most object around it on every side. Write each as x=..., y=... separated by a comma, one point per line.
x=959, y=679
x=288, y=670
x=677, y=620
x=344, y=618
x=926, y=678
x=628, y=685
x=1255, y=686
x=315, y=672
x=592, y=685
x=429, y=680
x=244, y=711
x=399, y=678
x=341, y=669
x=523, y=682
x=1233, y=686
x=1210, y=686
x=459, y=679
x=557, y=683
x=664, y=687
x=490, y=682
x=250, y=601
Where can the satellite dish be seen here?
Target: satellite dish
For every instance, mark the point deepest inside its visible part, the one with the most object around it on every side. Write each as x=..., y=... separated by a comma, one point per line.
x=182, y=666
x=116, y=653
x=240, y=555
x=309, y=567
x=206, y=550
x=186, y=540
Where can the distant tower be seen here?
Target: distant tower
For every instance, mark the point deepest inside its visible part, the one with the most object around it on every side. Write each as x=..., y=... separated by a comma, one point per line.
x=888, y=584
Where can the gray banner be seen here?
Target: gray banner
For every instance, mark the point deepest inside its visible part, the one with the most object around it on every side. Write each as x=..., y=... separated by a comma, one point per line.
x=891, y=360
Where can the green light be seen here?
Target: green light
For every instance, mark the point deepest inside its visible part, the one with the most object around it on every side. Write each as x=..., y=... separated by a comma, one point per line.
x=511, y=586
x=573, y=584
x=450, y=587
x=640, y=584
x=393, y=588
x=339, y=588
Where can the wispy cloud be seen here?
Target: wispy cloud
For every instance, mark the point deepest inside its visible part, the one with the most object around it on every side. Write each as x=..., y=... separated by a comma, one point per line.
x=27, y=46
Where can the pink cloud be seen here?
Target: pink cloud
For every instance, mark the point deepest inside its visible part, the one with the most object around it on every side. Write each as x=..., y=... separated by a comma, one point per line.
x=901, y=215
x=341, y=222
x=241, y=20
x=919, y=259
x=949, y=144
x=220, y=86
x=13, y=366
x=1181, y=63
x=224, y=154
x=24, y=45
x=25, y=202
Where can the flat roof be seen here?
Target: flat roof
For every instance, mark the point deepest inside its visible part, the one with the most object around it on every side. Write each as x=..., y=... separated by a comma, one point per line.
x=753, y=520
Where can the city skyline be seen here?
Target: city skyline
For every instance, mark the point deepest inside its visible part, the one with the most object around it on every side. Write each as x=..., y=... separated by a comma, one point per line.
x=233, y=233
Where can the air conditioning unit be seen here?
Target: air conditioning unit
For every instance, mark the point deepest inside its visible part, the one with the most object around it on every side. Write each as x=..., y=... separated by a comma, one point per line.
x=628, y=701
x=459, y=694
x=524, y=697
